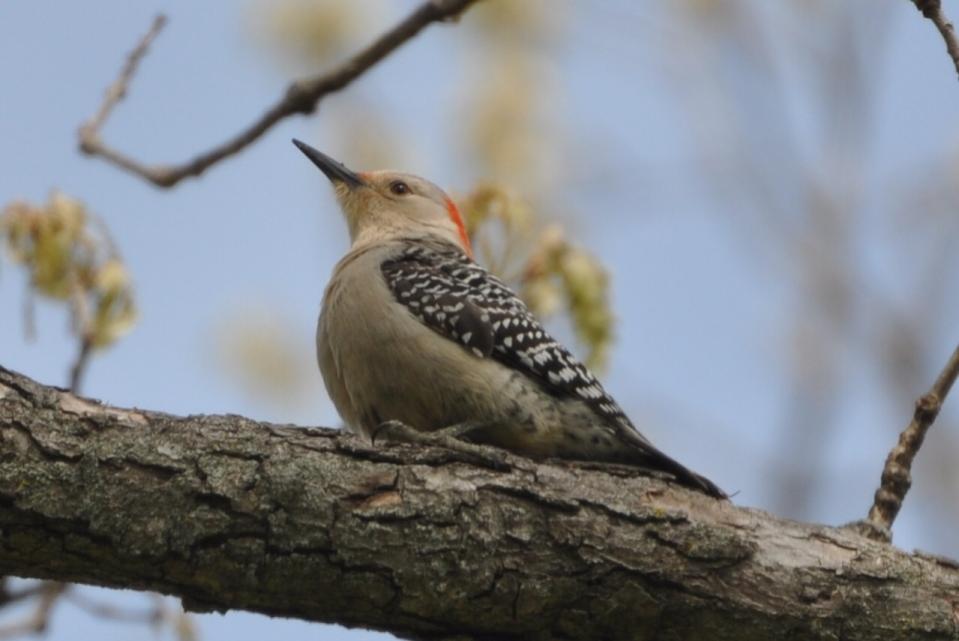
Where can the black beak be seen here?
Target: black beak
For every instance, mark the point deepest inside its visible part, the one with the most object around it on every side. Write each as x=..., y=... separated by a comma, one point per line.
x=334, y=170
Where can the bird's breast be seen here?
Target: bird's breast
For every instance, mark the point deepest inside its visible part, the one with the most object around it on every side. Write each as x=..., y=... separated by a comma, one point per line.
x=387, y=363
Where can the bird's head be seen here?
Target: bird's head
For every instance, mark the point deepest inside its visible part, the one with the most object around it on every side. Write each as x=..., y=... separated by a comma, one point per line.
x=381, y=205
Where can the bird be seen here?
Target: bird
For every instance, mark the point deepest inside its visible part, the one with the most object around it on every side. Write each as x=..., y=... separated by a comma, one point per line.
x=414, y=332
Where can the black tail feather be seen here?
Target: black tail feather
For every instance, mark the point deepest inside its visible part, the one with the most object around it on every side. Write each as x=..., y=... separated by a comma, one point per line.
x=649, y=456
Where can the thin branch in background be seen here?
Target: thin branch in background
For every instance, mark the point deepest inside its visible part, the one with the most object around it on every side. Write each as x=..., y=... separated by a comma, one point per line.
x=178, y=621
x=932, y=9
x=896, y=479
x=80, y=364
x=81, y=320
x=90, y=131
x=8, y=596
x=102, y=610
x=49, y=593
x=301, y=97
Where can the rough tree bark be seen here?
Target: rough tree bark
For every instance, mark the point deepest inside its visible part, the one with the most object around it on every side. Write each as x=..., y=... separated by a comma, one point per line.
x=228, y=513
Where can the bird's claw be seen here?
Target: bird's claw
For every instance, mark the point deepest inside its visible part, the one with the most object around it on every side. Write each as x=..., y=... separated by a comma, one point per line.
x=393, y=431
x=449, y=438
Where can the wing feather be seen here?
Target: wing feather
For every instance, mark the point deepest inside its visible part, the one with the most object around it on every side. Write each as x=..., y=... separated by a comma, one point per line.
x=457, y=298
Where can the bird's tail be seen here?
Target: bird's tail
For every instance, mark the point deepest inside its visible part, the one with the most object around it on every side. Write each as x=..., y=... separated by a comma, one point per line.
x=647, y=455
x=687, y=477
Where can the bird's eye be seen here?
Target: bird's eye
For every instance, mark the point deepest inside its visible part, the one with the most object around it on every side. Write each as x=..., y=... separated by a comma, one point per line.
x=399, y=188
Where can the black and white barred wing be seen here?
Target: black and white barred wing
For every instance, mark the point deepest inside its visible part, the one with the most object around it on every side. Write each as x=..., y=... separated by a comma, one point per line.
x=457, y=298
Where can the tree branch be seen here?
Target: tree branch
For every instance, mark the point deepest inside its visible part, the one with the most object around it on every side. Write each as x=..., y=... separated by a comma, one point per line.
x=301, y=97
x=89, y=133
x=228, y=513
x=932, y=9
x=896, y=478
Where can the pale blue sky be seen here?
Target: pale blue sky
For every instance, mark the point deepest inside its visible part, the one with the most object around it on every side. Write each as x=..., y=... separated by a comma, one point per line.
x=697, y=359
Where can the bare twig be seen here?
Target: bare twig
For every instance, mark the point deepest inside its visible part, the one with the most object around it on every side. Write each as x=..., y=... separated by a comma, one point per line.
x=89, y=132
x=896, y=479
x=8, y=596
x=108, y=611
x=80, y=364
x=81, y=319
x=301, y=97
x=38, y=620
x=178, y=621
x=932, y=9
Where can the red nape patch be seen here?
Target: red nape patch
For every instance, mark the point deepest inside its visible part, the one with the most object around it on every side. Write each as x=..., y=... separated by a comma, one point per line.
x=458, y=221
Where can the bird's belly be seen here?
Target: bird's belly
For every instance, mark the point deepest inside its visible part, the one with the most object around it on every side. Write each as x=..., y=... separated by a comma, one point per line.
x=392, y=367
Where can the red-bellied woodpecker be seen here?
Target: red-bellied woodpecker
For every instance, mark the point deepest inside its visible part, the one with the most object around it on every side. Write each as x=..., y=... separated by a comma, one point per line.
x=413, y=330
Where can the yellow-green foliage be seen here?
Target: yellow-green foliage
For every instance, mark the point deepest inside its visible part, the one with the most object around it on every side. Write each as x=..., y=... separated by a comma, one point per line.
x=69, y=257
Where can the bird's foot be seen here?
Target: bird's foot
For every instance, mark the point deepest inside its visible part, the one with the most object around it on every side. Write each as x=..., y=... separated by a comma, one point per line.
x=449, y=438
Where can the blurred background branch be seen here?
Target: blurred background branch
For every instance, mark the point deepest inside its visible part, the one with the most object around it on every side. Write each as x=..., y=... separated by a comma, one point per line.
x=301, y=97
x=932, y=9
x=896, y=476
x=89, y=132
